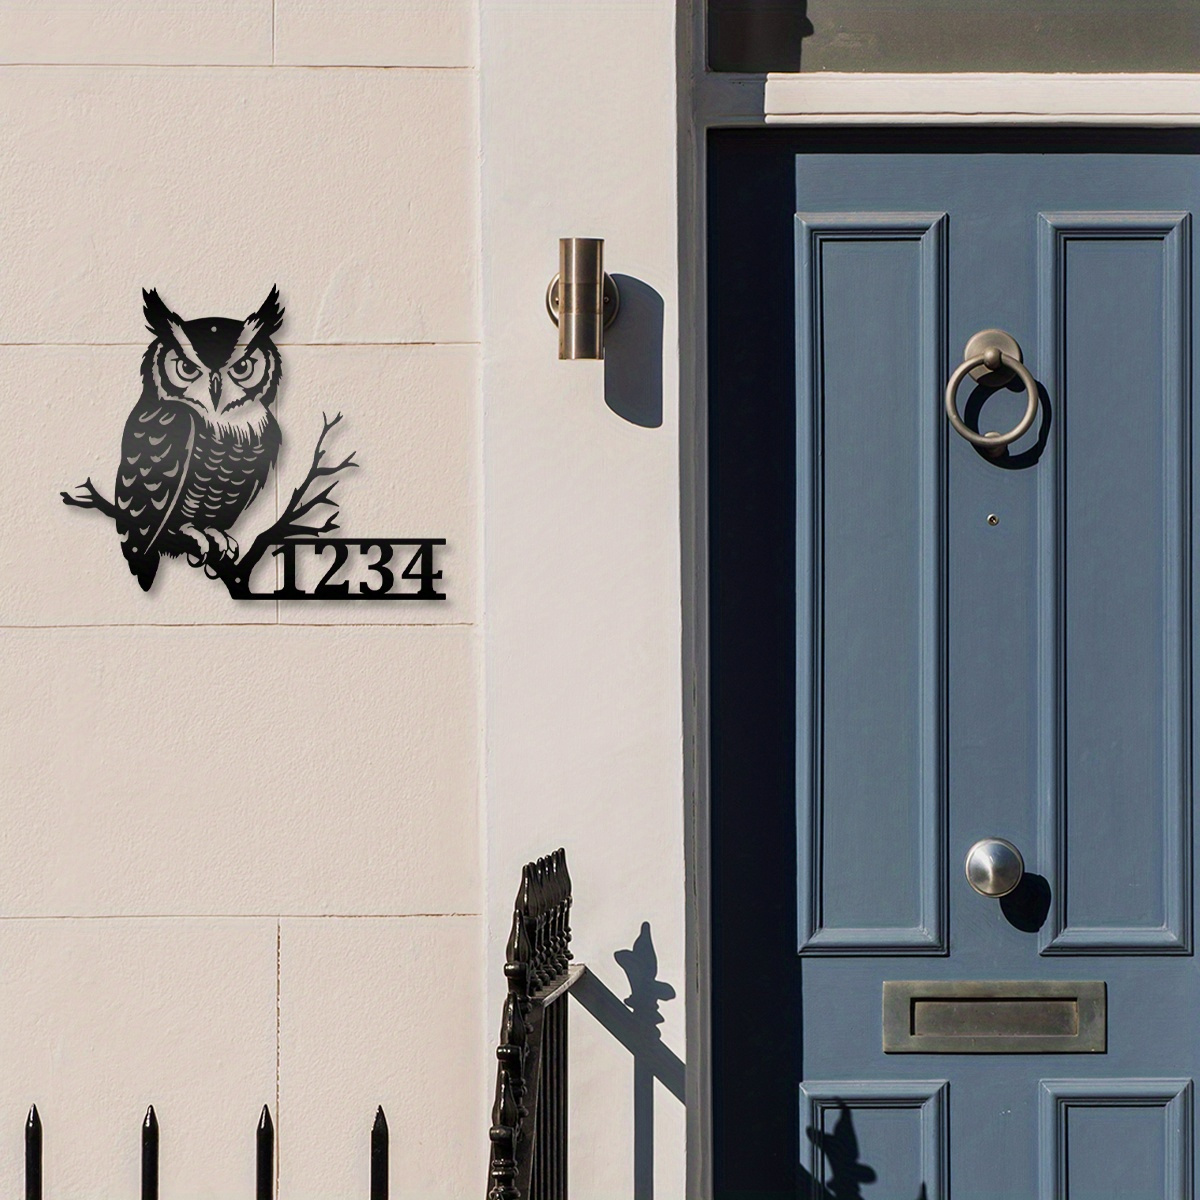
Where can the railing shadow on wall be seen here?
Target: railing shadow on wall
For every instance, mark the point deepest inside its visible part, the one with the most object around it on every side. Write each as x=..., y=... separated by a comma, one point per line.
x=634, y=1023
x=529, y=1117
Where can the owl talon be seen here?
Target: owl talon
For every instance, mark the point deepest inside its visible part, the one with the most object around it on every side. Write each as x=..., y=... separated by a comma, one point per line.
x=221, y=544
x=197, y=556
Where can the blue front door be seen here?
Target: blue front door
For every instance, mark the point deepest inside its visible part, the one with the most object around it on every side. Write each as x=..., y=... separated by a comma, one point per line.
x=981, y=646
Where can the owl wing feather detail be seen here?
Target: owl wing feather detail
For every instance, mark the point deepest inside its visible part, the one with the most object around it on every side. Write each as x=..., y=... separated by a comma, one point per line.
x=156, y=453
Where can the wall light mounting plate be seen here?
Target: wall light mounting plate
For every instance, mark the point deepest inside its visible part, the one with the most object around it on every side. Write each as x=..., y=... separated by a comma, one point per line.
x=612, y=300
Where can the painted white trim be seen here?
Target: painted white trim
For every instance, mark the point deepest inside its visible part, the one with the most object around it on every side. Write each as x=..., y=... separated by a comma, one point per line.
x=982, y=99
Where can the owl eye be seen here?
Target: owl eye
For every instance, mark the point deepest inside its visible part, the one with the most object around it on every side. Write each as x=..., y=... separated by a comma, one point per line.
x=186, y=369
x=242, y=368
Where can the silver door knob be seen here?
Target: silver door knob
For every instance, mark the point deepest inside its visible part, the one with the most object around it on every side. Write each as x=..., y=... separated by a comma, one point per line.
x=994, y=867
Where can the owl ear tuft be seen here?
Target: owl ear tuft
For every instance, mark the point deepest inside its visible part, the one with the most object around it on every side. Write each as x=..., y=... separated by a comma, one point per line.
x=168, y=326
x=159, y=318
x=269, y=316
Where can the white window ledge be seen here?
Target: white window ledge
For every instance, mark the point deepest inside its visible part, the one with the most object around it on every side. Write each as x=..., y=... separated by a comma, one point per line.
x=974, y=99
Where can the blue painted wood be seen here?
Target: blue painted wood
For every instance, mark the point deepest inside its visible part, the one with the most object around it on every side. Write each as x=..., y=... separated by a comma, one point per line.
x=1028, y=677
x=905, y=1123
x=1127, y=1138
x=870, y=583
x=1114, y=652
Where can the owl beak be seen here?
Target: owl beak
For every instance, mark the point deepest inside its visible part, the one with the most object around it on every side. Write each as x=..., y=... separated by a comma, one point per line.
x=214, y=390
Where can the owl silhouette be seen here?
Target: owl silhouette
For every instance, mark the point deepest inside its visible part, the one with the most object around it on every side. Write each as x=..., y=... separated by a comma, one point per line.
x=201, y=440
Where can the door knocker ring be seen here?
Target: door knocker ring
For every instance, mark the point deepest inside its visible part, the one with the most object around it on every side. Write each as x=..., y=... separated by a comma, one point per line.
x=992, y=357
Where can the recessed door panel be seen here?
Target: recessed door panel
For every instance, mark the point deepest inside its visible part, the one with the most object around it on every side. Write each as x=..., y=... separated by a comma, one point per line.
x=870, y=583
x=905, y=1123
x=1116, y=1138
x=1115, y=536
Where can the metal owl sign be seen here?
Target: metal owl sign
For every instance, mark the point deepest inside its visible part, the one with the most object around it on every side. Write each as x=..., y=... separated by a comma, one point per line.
x=198, y=449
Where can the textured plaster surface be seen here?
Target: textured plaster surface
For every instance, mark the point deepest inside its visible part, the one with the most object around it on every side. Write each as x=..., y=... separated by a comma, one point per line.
x=583, y=695
x=259, y=854
x=239, y=843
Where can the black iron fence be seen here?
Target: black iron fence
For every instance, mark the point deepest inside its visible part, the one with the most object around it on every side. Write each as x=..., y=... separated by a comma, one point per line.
x=264, y=1149
x=529, y=1118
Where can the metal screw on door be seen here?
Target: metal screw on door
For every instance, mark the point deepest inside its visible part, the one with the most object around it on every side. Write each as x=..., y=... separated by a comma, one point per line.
x=992, y=357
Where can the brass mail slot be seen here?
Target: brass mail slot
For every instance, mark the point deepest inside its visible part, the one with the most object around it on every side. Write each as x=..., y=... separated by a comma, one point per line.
x=1002, y=1016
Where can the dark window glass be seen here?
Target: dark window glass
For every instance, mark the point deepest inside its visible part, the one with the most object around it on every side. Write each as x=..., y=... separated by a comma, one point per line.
x=953, y=35
x=756, y=35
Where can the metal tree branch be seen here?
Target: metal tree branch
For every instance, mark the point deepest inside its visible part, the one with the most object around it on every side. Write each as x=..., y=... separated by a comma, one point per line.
x=86, y=496
x=292, y=521
x=300, y=517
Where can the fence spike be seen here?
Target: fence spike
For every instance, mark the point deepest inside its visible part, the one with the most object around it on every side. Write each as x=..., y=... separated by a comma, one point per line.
x=33, y=1155
x=379, y=1156
x=150, y=1155
x=264, y=1161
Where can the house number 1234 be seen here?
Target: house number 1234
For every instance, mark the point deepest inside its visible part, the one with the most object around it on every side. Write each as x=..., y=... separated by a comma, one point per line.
x=333, y=568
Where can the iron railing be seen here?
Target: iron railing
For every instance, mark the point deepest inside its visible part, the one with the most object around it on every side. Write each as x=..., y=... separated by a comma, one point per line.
x=529, y=1118
x=264, y=1151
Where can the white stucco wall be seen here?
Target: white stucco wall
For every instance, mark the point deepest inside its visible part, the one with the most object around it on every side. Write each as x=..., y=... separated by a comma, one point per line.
x=581, y=529
x=239, y=851
x=265, y=853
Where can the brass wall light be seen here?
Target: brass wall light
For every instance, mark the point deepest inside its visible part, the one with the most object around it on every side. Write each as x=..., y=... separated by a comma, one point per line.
x=581, y=299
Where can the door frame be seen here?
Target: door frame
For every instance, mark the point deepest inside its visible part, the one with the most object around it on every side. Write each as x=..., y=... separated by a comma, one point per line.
x=708, y=101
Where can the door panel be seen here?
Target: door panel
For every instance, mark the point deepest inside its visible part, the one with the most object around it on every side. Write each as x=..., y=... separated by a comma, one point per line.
x=1088, y=1128
x=981, y=646
x=905, y=1124
x=870, y=584
x=1115, y=532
